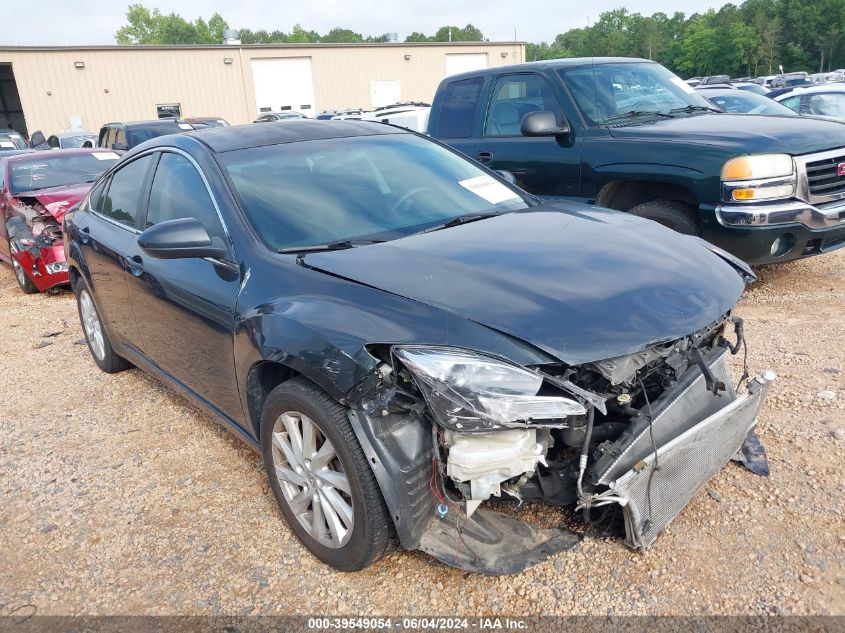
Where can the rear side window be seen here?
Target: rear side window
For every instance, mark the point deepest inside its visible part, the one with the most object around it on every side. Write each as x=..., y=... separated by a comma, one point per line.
x=124, y=195
x=460, y=105
x=179, y=191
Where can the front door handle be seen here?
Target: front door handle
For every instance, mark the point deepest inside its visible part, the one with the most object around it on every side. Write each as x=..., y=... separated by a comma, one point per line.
x=484, y=157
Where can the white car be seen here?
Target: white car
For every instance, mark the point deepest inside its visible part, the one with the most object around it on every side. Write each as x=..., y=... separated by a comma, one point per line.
x=827, y=100
x=413, y=116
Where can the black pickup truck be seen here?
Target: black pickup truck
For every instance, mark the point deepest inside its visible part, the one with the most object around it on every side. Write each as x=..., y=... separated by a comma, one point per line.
x=629, y=135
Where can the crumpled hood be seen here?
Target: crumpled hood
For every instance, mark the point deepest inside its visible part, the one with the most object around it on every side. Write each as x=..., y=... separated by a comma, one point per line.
x=743, y=133
x=59, y=200
x=582, y=284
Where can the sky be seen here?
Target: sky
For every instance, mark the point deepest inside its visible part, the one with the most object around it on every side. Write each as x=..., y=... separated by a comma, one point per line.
x=76, y=22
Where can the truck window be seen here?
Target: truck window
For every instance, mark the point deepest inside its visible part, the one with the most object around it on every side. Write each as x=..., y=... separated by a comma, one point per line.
x=460, y=105
x=515, y=96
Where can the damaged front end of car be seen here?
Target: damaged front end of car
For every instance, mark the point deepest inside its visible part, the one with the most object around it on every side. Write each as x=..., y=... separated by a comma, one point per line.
x=446, y=429
x=34, y=227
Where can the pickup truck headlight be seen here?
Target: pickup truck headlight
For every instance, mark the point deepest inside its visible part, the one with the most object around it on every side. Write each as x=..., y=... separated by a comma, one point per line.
x=759, y=177
x=468, y=391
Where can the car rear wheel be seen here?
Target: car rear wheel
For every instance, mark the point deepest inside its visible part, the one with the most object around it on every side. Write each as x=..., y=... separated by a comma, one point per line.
x=321, y=478
x=24, y=282
x=675, y=215
x=95, y=334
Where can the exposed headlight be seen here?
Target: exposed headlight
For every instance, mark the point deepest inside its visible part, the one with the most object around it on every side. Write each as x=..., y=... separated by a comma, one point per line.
x=760, y=177
x=467, y=391
x=759, y=166
x=58, y=267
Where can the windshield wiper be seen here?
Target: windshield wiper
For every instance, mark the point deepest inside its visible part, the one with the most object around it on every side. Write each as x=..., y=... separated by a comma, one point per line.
x=461, y=219
x=695, y=108
x=633, y=113
x=330, y=246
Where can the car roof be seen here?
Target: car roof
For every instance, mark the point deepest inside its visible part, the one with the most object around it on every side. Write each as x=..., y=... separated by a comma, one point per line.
x=225, y=139
x=551, y=64
x=803, y=90
x=706, y=87
x=729, y=91
x=69, y=134
x=51, y=153
x=146, y=124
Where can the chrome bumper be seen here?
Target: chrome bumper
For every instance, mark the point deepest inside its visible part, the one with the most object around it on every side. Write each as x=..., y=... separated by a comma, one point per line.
x=824, y=216
x=658, y=487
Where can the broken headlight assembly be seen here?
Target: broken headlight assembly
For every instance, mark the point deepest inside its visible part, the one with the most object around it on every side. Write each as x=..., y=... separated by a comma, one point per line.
x=468, y=391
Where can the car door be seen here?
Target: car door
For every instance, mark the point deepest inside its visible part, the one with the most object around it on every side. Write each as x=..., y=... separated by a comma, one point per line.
x=110, y=233
x=186, y=308
x=544, y=165
x=457, y=114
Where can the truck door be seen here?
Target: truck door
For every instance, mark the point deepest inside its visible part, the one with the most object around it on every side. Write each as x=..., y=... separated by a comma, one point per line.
x=455, y=113
x=545, y=165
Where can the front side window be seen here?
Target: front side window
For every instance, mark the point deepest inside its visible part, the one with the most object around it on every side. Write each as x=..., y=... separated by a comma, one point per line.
x=123, y=197
x=515, y=96
x=58, y=170
x=793, y=103
x=367, y=187
x=459, y=108
x=613, y=92
x=179, y=191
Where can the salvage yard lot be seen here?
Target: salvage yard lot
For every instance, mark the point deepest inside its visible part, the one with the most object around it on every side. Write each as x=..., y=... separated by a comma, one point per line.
x=118, y=497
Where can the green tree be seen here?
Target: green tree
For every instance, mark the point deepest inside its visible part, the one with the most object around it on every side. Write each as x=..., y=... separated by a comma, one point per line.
x=342, y=35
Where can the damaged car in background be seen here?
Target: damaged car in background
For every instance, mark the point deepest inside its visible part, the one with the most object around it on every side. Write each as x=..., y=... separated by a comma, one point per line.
x=36, y=190
x=409, y=340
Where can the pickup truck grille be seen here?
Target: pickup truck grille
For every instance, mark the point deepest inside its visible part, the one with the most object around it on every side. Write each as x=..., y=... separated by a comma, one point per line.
x=823, y=177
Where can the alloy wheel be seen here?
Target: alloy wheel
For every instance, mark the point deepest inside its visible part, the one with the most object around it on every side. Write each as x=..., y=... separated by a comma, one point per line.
x=91, y=325
x=312, y=479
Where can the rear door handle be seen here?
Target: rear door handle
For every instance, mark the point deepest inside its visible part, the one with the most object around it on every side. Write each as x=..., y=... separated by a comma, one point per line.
x=484, y=157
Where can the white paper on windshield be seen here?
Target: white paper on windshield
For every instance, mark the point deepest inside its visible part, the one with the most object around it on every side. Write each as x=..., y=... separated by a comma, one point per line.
x=7, y=144
x=185, y=126
x=683, y=85
x=486, y=187
x=105, y=155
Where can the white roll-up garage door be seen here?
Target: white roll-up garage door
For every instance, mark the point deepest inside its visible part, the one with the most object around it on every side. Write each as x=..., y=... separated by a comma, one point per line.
x=464, y=62
x=283, y=83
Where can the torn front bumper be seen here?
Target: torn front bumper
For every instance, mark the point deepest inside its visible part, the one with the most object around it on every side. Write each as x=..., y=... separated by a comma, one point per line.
x=47, y=269
x=659, y=485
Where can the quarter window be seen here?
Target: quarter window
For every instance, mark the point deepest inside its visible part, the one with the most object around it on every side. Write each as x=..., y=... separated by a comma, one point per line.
x=179, y=192
x=513, y=98
x=124, y=195
x=460, y=105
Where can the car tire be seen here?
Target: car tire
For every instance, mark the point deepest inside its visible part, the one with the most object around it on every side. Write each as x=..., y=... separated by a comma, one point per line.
x=328, y=486
x=670, y=213
x=24, y=282
x=95, y=334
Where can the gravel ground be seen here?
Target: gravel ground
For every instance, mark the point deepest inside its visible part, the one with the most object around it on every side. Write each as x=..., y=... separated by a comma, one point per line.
x=118, y=497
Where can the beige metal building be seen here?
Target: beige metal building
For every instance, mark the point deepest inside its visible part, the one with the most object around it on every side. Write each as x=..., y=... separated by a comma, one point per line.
x=64, y=88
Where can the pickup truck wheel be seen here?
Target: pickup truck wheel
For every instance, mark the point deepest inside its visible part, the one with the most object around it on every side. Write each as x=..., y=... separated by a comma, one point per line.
x=24, y=282
x=675, y=215
x=321, y=479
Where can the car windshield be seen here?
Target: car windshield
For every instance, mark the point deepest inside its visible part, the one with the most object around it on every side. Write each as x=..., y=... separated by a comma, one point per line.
x=11, y=140
x=69, y=142
x=375, y=187
x=743, y=102
x=57, y=171
x=606, y=92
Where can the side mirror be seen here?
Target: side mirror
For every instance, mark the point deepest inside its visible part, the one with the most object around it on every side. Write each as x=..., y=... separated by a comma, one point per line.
x=507, y=176
x=543, y=123
x=119, y=147
x=180, y=239
x=37, y=139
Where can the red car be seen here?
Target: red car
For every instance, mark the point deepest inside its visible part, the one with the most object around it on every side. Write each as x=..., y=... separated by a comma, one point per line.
x=36, y=190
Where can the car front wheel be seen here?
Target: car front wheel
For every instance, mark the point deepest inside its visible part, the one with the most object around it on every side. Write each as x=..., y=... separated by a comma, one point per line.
x=321, y=478
x=24, y=282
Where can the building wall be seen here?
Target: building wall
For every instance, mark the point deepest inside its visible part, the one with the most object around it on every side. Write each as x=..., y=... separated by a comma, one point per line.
x=126, y=83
